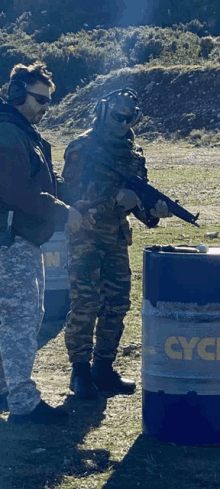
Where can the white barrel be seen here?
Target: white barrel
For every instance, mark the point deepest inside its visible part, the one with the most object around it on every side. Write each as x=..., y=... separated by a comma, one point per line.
x=181, y=348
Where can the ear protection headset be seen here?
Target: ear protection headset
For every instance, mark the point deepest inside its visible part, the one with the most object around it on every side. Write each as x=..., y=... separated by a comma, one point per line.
x=101, y=107
x=16, y=92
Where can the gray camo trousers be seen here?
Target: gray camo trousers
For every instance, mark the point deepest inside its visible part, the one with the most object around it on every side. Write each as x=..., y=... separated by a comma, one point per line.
x=22, y=286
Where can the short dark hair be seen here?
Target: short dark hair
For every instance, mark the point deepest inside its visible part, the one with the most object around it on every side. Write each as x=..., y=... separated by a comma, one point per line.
x=31, y=74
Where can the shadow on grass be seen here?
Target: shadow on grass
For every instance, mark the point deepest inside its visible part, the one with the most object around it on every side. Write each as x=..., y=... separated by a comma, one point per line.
x=49, y=331
x=157, y=465
x=38, y=457
x=140, y=467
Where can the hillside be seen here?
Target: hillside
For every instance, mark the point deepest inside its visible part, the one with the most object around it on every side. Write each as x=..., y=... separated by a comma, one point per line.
x=76, y=58
x=176, y=102
x=174, y=70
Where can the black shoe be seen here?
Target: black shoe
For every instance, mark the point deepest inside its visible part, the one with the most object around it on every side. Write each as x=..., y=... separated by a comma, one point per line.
x=3, y=402
x=42, y=414
x=81, y=381
x=107, y=379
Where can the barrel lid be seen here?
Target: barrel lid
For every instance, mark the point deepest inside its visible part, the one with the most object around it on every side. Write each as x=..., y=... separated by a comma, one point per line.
x=172, y=249
x=193, y=249
x=181, y=274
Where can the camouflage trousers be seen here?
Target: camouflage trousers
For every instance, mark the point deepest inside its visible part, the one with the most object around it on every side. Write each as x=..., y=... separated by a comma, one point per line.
x=21, y=314
x=100, y=281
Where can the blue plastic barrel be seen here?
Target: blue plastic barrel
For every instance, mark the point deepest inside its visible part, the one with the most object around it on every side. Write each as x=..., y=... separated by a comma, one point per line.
x=181, y=345
x=57, y=302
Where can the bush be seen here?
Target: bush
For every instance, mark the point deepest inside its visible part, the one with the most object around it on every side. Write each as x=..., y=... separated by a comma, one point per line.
x=206, y=46
x=194, y=26
x=145, y=48
x=9, y=57
x=76, y=58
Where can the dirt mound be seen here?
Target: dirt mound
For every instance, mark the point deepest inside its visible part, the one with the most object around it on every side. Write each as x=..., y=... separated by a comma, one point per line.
x=174, y=100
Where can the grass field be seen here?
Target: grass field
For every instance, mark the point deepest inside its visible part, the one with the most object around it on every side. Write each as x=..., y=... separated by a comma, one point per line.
x=103, y=446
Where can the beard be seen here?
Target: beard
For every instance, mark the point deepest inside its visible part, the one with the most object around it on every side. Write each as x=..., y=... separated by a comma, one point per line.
x=37, y=117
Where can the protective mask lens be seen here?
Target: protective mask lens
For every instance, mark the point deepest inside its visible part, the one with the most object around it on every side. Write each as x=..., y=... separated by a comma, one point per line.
x=121, y=117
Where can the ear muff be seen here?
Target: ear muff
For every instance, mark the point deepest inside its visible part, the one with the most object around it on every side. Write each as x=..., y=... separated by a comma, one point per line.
x=16, y=92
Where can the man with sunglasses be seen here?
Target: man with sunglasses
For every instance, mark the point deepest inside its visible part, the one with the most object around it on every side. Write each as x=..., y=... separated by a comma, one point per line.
x=99, y=271
x=30, y=207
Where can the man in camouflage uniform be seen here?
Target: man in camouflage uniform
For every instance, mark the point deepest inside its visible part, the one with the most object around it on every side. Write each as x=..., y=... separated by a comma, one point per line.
x=29, y=211
x=99, y=271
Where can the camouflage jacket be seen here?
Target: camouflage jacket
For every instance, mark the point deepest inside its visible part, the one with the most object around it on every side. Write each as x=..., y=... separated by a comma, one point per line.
x=87, y=177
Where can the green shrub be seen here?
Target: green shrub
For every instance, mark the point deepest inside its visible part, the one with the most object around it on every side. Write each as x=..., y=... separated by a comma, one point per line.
x=10, y=55
x=194, y=26
x=76, y=58
x=68, y=70
x=146, y=48
x=206, y=46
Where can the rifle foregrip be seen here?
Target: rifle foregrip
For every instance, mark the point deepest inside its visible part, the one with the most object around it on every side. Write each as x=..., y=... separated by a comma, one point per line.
x=150, y=196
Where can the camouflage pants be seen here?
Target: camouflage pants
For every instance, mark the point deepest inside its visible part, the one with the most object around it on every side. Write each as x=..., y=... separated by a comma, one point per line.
x=100, y=277
x=21, y=314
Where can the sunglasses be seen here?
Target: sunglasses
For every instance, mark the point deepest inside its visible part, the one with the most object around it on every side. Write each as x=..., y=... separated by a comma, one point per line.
x=121, y=117
x=41, y=99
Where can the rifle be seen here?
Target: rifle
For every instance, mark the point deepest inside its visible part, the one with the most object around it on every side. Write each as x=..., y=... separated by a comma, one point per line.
x=149, y=196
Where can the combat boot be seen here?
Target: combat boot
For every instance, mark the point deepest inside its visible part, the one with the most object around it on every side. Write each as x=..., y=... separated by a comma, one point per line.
x=81, y=381
x=42, y=414
x=3, y=402
x=107, y=379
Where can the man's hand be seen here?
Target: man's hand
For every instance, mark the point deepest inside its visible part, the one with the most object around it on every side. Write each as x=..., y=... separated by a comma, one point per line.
x=128, y=199
x=88, y=220
x=160, y=210
x=74, y=219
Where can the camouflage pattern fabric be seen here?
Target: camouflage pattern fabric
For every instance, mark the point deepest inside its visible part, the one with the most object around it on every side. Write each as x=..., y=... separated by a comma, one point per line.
x=21, y=314
x=98, y=265
x=87, y=178
x=99, y=277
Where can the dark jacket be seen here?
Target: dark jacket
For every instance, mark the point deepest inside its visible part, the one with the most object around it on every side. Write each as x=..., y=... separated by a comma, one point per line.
x=28, y=184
